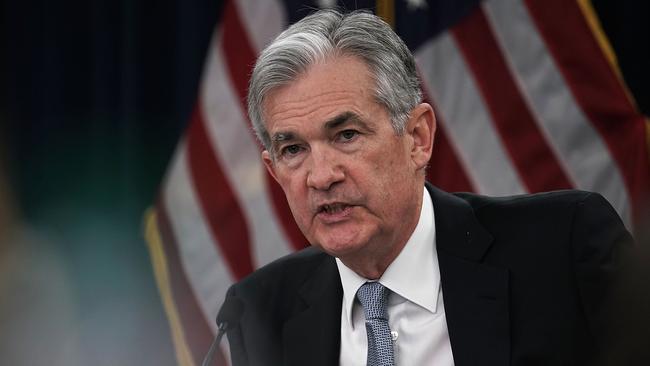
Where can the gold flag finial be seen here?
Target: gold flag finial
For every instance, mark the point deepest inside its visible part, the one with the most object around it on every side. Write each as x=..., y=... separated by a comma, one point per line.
x=386, y=11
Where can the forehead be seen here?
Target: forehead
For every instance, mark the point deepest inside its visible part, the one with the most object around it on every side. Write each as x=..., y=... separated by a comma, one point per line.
x=325, y=90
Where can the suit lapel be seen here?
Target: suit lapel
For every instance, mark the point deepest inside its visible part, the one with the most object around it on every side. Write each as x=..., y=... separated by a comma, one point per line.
x=475, y=294
x=312, y=335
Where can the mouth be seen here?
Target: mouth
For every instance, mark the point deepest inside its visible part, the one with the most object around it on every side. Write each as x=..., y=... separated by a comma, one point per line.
x=334, y=212
x=332, y=208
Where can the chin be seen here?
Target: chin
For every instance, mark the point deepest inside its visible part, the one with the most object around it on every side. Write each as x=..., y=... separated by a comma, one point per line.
x=340, y=247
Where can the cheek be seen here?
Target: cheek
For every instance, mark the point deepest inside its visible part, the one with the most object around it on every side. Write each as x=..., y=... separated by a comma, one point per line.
x=391, y=178
x=290, y=181
x=296, y=197
x=389, y=167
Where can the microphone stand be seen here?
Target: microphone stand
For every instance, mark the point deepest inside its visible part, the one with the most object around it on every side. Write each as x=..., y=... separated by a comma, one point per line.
x=215, y=343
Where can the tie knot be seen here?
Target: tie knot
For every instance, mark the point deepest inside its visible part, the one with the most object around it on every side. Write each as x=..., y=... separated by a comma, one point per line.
x=374, y=298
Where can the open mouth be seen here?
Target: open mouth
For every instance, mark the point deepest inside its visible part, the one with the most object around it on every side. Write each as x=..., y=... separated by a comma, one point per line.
x=333, y=208
x=332, y=213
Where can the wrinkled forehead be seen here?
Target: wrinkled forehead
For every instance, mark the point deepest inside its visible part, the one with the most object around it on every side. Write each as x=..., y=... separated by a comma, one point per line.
x=326, y=84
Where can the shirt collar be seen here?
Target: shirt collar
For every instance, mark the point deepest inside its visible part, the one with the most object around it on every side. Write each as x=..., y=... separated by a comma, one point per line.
x=418, y=286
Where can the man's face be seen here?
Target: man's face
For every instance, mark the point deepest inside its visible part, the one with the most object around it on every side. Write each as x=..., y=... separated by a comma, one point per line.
x=353, y=185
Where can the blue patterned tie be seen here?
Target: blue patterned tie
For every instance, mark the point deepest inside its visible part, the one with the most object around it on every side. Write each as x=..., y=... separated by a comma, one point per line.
x=374, y=298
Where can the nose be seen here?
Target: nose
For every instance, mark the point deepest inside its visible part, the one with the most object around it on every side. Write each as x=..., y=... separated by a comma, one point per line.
x=325, y=169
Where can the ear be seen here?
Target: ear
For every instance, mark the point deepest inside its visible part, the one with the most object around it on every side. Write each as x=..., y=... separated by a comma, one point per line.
x=421, y=127
x=268, y=163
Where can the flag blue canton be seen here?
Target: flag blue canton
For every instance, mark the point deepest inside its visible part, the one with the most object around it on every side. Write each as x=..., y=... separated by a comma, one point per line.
x=415, y=21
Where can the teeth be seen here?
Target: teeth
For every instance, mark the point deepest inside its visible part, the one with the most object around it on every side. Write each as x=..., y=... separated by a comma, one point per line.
x=330, y=209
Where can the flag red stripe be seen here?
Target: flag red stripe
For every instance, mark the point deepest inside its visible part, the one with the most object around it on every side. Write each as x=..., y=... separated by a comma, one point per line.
x=240, y=59
x=217, y=200
x=597, y=90
x=197, y=333
x=445, y=170
x=538, y=166
x=239, y=54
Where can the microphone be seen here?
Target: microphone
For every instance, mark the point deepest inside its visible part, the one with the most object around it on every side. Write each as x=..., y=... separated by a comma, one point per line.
x=228, y=316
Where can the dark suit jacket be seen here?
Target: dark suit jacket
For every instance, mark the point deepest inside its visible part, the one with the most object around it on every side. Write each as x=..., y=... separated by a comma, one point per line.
x=526, y=281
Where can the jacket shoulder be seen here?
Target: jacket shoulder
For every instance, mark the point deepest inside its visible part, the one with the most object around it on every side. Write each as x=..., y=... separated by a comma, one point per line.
x=545, y=199
x=566, y=211
x=288, y=272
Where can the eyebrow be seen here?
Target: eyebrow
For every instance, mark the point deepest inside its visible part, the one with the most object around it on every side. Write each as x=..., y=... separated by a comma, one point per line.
x=279, y=137
x=341, y=119
x=282, y=136
x=344, y=118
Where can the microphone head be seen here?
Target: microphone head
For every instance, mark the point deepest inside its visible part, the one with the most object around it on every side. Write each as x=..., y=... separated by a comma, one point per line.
x=230, y=311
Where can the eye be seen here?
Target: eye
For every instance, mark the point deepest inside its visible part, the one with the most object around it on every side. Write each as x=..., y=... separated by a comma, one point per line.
x=290, y=150
x=348, y=135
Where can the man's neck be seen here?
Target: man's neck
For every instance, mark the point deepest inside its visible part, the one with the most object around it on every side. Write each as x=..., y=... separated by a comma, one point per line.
x=369, y=267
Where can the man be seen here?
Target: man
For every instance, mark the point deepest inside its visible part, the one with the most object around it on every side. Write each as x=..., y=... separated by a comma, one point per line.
x=399, y=272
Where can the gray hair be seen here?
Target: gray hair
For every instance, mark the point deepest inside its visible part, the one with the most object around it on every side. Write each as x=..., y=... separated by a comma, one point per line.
x=332, y=33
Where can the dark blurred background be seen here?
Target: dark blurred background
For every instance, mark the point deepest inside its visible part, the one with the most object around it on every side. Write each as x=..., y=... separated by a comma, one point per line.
x=95, y=95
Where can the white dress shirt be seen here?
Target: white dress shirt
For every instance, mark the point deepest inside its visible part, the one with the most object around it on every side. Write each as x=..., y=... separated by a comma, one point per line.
x=415, y=307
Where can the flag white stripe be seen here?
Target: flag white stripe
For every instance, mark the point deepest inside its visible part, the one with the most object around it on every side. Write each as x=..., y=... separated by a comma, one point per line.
x=238, y=153
x=263, y=21
x=569, y=132
x=203, y=264
x=468, y=122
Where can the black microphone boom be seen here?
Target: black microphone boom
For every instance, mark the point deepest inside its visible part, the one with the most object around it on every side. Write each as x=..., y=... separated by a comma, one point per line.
x=228, y=316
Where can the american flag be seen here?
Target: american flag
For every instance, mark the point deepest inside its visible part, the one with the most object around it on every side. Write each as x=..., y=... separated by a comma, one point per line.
x=528, y=97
